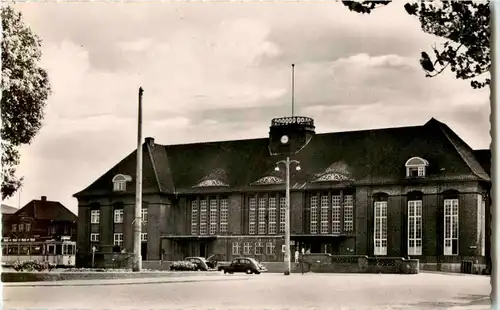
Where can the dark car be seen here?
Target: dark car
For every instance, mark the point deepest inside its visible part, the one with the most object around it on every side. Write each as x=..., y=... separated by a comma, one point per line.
x=244, y=264
x=200, y=262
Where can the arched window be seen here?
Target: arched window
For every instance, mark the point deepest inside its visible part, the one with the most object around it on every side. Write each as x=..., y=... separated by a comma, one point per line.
x=120, y=182
x=416, y=167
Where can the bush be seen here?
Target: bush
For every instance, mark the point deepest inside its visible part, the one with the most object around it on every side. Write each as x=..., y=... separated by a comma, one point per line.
x=31, y=265
x=183, y=266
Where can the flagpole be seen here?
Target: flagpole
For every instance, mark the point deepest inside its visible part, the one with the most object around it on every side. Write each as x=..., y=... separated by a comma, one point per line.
x=138, y=191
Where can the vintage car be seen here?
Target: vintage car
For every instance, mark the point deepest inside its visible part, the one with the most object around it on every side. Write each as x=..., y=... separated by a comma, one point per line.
x=200, y=262
x=247, y=265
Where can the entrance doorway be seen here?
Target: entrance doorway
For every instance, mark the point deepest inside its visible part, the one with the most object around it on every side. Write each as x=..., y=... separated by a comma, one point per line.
x=203, y=250
x=144, y=250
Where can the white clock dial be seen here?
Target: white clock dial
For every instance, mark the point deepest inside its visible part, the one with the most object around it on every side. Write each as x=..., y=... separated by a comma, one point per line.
x=284, y=139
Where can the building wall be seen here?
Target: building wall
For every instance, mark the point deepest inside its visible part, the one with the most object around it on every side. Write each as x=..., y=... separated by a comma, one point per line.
x=172, y=217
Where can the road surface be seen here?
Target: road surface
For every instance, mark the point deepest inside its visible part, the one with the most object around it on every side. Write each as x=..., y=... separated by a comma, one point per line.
x=266, y=291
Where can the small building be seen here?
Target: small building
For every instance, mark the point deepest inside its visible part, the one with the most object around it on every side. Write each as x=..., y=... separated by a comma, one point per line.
x=415, y=191
x=40, y=220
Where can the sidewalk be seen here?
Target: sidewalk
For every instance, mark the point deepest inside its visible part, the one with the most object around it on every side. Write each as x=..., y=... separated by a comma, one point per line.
x=129, y=281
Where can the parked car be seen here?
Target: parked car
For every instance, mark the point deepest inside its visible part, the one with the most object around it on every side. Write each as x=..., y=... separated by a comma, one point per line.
x=212, y=261
x=244, y=264
x=200, y=262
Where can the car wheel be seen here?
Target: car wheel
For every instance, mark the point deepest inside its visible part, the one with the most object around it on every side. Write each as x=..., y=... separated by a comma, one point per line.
x=257, y=272
x=249, y=271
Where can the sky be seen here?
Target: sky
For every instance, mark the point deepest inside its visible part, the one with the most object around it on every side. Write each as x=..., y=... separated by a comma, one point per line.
x=222, y=71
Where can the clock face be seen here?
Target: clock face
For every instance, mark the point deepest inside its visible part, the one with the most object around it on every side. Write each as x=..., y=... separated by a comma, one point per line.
x=284, y=139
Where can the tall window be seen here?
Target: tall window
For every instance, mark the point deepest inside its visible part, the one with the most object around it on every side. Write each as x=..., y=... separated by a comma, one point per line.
x=194, y=217
x=282, y=214
x=272, y=216
x=28, y=227
x=262, y=216
x=224, y=214
x=451, y=227
x=259, y=248
x=314, y=215
x=415, y=227
x=14, y=227
x=324, y=214
x=380, y=229
x=144, y=215
x=144, y=237
x=251, y=216
x=118, y=239
x=236, y=248
x=94, y=216
x=203, y=217
x=247, y=248
x=348, y=213
x=336, y=213
x=21, y=227
x=118, y=215
x=213, y=217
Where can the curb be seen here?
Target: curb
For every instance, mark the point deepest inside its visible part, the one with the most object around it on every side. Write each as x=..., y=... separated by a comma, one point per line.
x=454, y=273
x=119, y=282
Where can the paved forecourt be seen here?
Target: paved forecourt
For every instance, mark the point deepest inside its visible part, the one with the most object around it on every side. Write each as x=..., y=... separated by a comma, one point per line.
x=266, y=291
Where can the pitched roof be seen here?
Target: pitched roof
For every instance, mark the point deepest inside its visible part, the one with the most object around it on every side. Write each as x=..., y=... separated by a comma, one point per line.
x=484, y=158
x=46, y=210
x=8, y=209
x=366, y=157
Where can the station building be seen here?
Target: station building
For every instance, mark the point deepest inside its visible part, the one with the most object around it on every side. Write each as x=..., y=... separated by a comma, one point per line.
x=417, y=191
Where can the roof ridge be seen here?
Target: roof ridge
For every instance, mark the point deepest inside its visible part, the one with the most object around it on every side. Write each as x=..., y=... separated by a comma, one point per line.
x=151, y=157
x=447, y=131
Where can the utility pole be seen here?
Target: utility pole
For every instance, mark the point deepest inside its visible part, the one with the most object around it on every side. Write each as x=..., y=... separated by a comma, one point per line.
x=287, y=219
x=138, y=192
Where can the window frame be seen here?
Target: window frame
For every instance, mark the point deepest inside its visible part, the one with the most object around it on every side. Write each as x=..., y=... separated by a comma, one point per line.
x=252, y=206
x=144, y=237
x=118, y=215
x=95, y=219
x=336, y=214
x=247, y=248
x=261, y=216
x=453, y=227
x=379, y=208
x=203, y=217
x=282, y=206
x=213, y=216
x=272, y=216
x=313, y=222
x=96, y=237
x=348, y=213
x=259, y=248
x=223, y=215
x=118, y=241
x=194, y=217
x=236, y=248
x=414, y=227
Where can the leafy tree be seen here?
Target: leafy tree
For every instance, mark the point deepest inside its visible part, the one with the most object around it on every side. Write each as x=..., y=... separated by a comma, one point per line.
x=25, y=88
x=464, y=24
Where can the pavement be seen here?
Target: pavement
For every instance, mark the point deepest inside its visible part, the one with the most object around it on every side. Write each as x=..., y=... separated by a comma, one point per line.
x=265, y=291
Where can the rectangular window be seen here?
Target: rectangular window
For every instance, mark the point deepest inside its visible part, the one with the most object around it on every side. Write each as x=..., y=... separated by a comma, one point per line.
x=94, y=237
x=451, y=227
x=314, y=215
x=21, y=227
x=14, y=227
x=348, y=213
x=194, y=217
x=203, y=217
x=213, y=217
x=380, y=228
x=224, y=215
x=94, y=216
x=119, y=216
x=324, y=214
x=262, y=216
x=144, y=215
x=119, y=186
x=252, y=204
x=247, y=248
x=421, y=171
x=336, y=214
x=272, y=216
x=270, y=248
x=28, y=226
x=282, y=214
x=415, y=227
x=259, y=248
x=236, y=248
x=118, y=239
x=144, y=237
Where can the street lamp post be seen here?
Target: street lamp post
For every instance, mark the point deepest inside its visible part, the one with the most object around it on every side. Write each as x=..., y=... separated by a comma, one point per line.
x=287, y=163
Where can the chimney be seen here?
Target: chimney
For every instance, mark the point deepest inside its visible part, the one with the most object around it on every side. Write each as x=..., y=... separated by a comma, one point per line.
x=150, y=141
x=44, y=198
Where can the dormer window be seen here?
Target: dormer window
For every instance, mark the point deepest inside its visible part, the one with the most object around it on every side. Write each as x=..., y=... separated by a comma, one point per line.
x=120, y=182
x=416, y=167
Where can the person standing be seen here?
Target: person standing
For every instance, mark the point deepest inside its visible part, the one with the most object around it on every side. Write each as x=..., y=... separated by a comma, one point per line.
x=297, y=256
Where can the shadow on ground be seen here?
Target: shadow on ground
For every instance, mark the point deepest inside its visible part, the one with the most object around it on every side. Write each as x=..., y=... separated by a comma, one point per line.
x=462, y=301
